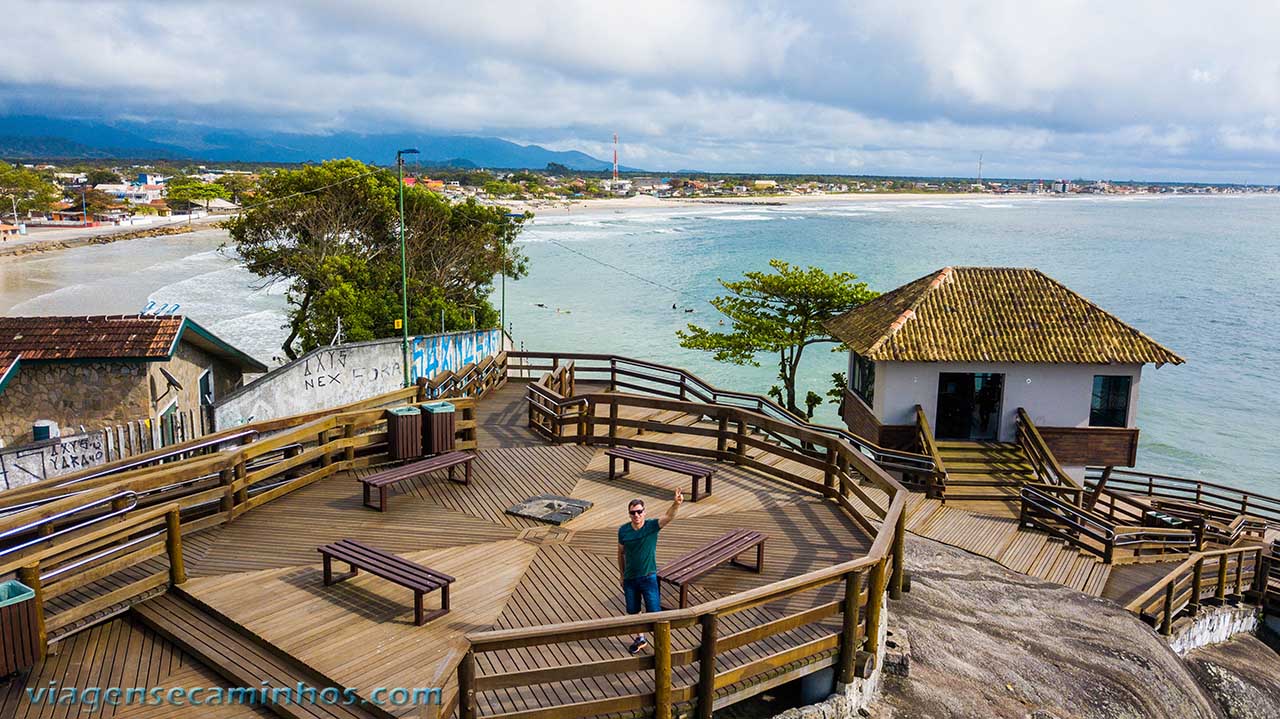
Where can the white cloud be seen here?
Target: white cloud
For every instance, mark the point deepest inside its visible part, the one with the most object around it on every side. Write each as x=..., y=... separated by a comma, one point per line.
x=1070, y=87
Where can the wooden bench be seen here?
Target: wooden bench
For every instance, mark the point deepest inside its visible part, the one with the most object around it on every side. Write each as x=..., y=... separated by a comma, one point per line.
x=689, y=567
x=391, y=568
x=661, y=461
x=388, y=477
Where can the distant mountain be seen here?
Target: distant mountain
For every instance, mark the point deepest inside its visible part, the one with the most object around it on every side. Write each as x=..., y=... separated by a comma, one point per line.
x=34, y=137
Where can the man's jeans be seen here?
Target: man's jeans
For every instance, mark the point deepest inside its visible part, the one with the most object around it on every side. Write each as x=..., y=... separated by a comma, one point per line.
x=641, y=587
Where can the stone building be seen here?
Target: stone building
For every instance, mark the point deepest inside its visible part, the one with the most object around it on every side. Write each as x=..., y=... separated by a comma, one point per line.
x=100, y=371
x=970, y=346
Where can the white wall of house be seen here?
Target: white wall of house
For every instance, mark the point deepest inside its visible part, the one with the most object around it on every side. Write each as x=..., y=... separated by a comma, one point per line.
x=1054, y=395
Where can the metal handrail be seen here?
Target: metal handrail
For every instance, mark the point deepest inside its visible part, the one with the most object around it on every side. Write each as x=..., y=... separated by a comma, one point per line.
x=46, y=576
x=129, y=496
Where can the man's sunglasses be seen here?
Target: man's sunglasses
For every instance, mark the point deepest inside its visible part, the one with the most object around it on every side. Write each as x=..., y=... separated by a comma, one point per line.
x=635, y=511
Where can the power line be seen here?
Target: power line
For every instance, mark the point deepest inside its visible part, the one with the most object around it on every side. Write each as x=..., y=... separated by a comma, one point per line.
x=619, y=269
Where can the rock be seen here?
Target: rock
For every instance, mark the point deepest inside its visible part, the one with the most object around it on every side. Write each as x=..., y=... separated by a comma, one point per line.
x=989, y=642
x=1242, y=675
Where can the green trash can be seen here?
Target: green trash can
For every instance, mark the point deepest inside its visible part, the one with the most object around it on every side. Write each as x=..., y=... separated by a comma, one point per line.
x=438, y=427
x=20, y=627
x=404, y=433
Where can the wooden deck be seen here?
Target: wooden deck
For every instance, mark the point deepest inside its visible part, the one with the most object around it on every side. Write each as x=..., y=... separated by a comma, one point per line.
x=996, y=535
x=119, y=653
x=261, y=572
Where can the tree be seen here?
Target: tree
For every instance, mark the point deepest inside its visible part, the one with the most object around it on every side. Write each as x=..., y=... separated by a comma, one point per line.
x=332, y=232
x=94, y=202
x=101, y=176
x=236, y=185
x=188, y=191
x=26, y=190
x=780, y=313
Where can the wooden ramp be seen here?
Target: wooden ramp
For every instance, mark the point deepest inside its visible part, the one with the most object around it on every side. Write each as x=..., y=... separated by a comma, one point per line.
x=240, y=658
x=999, y=538
x=122, y=653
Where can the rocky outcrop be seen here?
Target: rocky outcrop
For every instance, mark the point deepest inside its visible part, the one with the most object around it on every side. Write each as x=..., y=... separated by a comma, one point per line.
x=989, y=642
x=1242, y=676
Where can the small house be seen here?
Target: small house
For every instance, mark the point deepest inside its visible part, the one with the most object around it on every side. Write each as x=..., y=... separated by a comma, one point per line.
x=100, y=371
x=970, y=346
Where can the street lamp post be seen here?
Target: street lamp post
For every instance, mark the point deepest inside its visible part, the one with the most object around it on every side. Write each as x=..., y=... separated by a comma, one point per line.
x=404, y=270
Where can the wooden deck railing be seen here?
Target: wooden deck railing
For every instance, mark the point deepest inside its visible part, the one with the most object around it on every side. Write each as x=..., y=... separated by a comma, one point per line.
x=1216, y=502
x=625, y=373
x=695, y=635
x=1058, y=510
x=937, y=480
x=1043, y=463
x=82, y=528
x=1217, y=576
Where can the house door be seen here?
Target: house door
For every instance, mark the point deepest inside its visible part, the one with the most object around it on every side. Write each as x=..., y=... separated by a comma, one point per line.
x=969, y=405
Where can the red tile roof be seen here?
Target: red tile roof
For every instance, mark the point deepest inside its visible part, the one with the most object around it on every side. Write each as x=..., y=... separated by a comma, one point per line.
x=93, y=337
x=992, y=314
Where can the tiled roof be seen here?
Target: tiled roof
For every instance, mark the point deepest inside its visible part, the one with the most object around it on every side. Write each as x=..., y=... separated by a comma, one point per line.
x=992, y=314
x=93, y=337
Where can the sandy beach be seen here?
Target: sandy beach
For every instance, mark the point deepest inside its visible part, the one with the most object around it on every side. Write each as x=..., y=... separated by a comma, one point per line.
x=644, y=202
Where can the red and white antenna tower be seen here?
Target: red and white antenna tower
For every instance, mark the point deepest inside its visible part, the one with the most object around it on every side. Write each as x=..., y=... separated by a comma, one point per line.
x=615, y=156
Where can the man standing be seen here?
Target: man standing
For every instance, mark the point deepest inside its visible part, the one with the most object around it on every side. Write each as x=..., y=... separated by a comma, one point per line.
x=638, y=559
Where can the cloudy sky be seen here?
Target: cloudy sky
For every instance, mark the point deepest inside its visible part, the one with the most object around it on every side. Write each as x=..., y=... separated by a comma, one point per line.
x=1147, y=90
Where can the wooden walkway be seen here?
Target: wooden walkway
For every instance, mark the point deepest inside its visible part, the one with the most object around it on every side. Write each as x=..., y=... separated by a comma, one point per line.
x=261, y=572
x=118, y=653
x=998, y=537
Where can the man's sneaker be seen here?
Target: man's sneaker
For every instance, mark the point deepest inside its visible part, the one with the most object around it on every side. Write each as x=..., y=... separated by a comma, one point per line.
x=639, y=644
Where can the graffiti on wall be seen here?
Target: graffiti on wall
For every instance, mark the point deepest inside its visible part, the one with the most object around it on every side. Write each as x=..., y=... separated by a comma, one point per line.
x=330, y=368
x=434, y=353
x=33, y=462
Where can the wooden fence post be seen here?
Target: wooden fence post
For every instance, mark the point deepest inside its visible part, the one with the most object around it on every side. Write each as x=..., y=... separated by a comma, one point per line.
x=875, y=603
x=321, y=440
x=1239, y=574
x=707, y=667
x=1197, y=577
x=591, y=422
x=740, y=450
x=613, y=423
x=173, y=543
x=722, y=437
x=849, y=644
x=662, y=670
x=241, y=494
x=225, y=478
x=898, y=579
x=349, y=452
x=1166, y=621
x=613, y=375
x=1221, y=593
x=467, y=686
x=30, y=576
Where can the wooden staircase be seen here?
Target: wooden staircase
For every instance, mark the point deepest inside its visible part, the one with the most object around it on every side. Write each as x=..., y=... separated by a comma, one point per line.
x=240, y=657
x=985, y=471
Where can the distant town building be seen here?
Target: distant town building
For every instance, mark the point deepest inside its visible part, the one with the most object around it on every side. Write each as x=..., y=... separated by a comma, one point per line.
x=103, y=370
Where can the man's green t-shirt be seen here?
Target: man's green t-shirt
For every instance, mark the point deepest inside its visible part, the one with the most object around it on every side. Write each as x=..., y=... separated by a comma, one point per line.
x=639, y=549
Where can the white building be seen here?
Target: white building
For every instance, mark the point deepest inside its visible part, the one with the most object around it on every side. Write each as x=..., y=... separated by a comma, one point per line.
x=972, y=345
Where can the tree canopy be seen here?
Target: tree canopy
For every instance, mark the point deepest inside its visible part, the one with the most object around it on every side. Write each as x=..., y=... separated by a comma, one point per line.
x=187, y=191
x=332, y=232
x=26, y=189
x=778, y=313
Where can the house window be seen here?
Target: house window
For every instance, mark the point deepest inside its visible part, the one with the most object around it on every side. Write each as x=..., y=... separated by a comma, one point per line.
x=863, y=379
x=206, y=388
x=1110, y=404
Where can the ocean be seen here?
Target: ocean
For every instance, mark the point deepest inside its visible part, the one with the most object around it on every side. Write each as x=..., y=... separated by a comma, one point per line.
x=1200, y=275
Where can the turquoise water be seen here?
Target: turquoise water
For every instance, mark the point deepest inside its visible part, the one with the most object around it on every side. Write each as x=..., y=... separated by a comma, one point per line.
x=1201, y=275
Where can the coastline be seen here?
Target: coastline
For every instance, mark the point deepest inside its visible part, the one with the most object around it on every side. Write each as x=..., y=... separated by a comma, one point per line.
x=52, y=240
x=646, y=202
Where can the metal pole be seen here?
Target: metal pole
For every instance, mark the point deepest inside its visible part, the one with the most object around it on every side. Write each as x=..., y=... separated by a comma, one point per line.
x=404, y=276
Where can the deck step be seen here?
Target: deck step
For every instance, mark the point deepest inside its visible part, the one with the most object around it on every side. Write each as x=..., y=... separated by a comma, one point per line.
x=241, y=658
